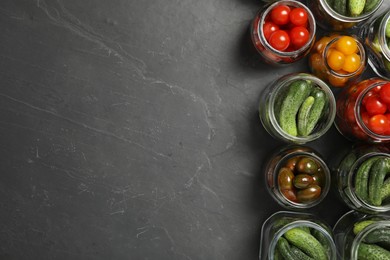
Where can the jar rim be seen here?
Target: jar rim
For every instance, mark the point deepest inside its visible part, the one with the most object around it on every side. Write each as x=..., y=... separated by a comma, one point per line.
x=288, y=79
x=312, y=24
x=376, y=137
x=351, y=175
x=362, y=52
x=324, y=189
x=348, y=19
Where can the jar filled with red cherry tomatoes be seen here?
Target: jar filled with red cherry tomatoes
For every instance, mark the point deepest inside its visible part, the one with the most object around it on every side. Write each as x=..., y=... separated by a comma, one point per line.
x=363, y=111
x=338, y=59
x=283, y=32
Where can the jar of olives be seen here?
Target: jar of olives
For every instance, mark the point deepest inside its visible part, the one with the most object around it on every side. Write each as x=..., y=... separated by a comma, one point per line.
x=362, y=236
x=336, y=15
x=338, y=59
x=376, y=35
x=291, y=235
x=297, y=108
x=360, y=177
x=283, y=32
x=297, y=177
x=363, y=111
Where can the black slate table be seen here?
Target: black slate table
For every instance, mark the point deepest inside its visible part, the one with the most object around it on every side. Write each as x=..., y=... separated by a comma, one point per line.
x=129, y=130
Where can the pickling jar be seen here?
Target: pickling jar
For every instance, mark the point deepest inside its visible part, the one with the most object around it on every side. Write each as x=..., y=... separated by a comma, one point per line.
x=358, y=235
x=374, y=34
x=329, y=19
x=280, y=226
x=354, y=120
x=273, y=107
x=360, y=178
x=297, y=177
x=266, y=51
x=334, y=60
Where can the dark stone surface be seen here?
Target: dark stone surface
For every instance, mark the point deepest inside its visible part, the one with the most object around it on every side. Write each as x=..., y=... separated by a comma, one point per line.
x=130, y=131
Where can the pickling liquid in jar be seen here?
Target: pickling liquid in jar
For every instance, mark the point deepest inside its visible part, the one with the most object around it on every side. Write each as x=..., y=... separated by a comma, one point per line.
x=376, y=36
x=360, y=178
x=297, y=177
x=338, y=59
x=362, y=236
x=362, y=114
x=332, y=16
x=270, y=54
x=281, y=230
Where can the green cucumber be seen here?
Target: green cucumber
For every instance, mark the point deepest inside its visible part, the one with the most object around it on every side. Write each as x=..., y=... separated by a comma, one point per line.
x=321, y=238
x=370, y=5
x=372, y=252
x=307, y=243
x=297, y=92
x=330, y=2
x=388, y=29
x=356, y=7
x=378, y=173
x=303, y=115
x=359, y=226
x=378, y=236
x=299, y=255
x=361, y=179
x=288, y=251
x=385, y=190
x=316, y=110
x=278, y=255
x=340, y=6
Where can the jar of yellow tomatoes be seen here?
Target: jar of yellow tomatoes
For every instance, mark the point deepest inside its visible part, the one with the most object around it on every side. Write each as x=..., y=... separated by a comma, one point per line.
x=338, y=59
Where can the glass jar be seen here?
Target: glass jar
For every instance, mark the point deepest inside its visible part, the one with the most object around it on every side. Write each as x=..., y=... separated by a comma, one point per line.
x=332, y=60
x=329, y=19
x=280, y=103
x=278, y=228
x=297, y=177
x=355, y=115
x=378, y=52
x=269, y=53
x=358, y=178
x=356, y=229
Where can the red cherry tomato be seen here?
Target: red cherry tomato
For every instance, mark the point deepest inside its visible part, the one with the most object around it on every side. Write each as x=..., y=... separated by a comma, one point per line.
x=299, y=36
x=378, y=124
x=365, y=117
x=368, y=94
x=384, y=93
x=269, y=28
x=387, y=132
x=298, y=16
x=280, y=15
x=279, y=40
x=374, y=106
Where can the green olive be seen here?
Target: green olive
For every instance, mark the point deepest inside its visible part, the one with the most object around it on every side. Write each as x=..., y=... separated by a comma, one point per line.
x=285, y=178
x=292, y=162
x=307, y=165
x=309, y=194
x=302, y=181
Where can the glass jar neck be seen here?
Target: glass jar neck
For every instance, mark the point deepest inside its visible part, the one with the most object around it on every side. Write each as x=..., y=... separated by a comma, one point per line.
x=381, y=34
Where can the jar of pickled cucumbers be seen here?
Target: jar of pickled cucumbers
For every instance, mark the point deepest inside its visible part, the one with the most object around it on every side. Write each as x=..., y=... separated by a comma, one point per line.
x=297, y=177
x=291, y=235
x=283, y=32
x=376, y=35
x=338, y=59
x=340, y=15
x=363, y=111
x=361, y=178
x=297, y=108
x=361, y=236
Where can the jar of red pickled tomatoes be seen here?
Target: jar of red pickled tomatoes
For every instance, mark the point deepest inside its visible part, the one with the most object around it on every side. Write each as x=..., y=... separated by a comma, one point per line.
x=338, y=59
x=363, y=111
x=283, y=32
x=297, y=177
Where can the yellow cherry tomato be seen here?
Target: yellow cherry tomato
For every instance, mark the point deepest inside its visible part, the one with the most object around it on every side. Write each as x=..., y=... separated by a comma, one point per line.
x=335, y=60
x=351, y=63
x=347, y=45
x=337, y=81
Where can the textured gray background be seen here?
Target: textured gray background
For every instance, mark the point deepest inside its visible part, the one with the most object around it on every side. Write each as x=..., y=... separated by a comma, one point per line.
x=129, y=130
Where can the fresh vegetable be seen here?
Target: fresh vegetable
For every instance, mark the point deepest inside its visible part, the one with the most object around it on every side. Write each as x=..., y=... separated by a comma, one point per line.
x=297, y=93
x=302, y=181
x=370, y=5
x=299, y=36
x=361, y=179
x=316, y=110
x=303, y=115
x=307, y=243
x=385, y=190
x=311, y=193
x=280, y=15
x=353, y=8
x=285, y=178
x=356, y=7
x=298, y=16
x=268, y=28
x=279, y=40
x=307, y=165
x=372, y=252
x=340, y=6
x=378, y=173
